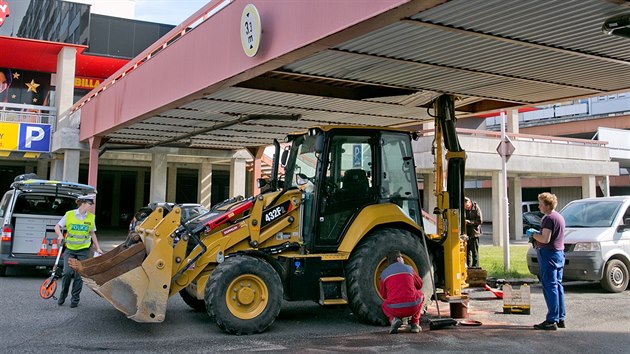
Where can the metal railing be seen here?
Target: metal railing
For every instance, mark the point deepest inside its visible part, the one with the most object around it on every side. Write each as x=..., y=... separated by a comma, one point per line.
x=23, y=113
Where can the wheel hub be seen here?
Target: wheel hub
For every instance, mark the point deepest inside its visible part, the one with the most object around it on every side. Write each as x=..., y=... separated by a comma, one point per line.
x=616, y=275
x=245, y=296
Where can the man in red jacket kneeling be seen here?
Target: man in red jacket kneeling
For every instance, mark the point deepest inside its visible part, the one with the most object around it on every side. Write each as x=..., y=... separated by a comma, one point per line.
x=401, y=289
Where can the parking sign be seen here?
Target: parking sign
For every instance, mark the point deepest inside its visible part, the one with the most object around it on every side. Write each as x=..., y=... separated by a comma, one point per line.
x=34, y=137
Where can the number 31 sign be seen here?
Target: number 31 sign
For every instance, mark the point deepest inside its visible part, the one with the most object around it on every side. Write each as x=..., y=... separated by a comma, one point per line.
x=250, y=30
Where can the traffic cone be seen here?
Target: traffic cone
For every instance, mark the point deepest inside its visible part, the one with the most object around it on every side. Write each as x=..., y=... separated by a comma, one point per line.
x=43, y=250
x=54, y=250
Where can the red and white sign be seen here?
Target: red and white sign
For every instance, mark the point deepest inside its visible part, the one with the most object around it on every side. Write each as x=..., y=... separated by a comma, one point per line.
x=4, y=11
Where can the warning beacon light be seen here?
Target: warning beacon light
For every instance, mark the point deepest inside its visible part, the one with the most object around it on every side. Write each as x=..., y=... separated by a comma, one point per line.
x=617, y=25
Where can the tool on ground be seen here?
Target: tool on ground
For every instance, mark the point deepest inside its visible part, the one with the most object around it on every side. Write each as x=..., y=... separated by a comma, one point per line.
x=498, y=293
x=437, y=323
x=49, y=286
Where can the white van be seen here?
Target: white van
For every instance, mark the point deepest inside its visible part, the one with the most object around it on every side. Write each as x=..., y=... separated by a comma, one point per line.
x=30, y=210
x=530, y=207
x=596, y=242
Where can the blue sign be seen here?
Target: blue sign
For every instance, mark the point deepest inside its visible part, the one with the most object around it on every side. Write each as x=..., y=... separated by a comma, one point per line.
x=34, y=137
x=357, y=155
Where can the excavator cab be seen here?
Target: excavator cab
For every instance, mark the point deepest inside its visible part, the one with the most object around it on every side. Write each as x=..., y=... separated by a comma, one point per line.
x=354, y=169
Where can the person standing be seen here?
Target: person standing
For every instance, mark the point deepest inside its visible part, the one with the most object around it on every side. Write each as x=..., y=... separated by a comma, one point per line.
x=401, y=289
x=81, y=233
x=473, y=217
x=549, y=244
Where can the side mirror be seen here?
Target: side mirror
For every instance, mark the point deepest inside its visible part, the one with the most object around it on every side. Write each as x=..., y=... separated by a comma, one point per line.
x=283, y=158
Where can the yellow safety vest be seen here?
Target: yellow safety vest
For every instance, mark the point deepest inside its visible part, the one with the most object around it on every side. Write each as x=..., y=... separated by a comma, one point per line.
x=78, y=237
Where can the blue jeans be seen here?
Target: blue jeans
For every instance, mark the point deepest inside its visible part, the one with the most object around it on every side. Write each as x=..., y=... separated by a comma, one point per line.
x=551, y=264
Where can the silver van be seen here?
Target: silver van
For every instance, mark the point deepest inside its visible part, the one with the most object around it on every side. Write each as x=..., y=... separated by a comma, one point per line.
x=30, y=210
x=596, y=242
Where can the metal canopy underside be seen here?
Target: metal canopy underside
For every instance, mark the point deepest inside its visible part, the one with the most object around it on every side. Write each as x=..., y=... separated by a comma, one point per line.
x=492, y=53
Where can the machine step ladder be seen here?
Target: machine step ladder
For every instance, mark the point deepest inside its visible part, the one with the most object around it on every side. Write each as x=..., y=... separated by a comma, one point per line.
x=332, y=291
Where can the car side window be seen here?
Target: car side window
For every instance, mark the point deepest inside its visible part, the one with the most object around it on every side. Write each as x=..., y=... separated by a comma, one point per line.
x=626, y=216
x=4, y=204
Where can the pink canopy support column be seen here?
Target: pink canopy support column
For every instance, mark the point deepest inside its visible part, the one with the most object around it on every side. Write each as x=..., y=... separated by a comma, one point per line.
x=95, y=144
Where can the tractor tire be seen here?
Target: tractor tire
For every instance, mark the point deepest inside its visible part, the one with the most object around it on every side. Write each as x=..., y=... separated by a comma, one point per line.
x=244, y=295
x=615, y=278
x=192, y=301
x=367, y=262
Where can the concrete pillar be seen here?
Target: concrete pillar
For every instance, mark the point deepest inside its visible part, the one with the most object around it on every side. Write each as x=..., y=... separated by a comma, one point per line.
x=56, y=170
x=589, y=187
x=237, y=176
x=158, y=177
x=42, y=169
x=512, y=121
x=139, y=200
x=171, y=184
x=604, y=185
x=71, y=159
x=64, y=85
x=115, y=212
x=516, y=213
x=429, y=202
x=498, y=219
x=205, y=184
x=257, y=172
x=66, y=136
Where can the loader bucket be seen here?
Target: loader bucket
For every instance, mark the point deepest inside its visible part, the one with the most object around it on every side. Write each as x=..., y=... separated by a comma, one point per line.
x=136, y=279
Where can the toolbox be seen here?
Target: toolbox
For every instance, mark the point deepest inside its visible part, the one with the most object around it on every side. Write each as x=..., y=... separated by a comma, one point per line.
x=516, y=300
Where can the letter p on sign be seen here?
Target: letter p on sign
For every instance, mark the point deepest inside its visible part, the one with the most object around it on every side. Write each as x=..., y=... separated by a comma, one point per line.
x=33, y=134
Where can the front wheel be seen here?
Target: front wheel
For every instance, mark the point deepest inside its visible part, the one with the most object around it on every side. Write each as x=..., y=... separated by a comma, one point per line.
x=244, y=295
x=368, y=261
x=615, y=279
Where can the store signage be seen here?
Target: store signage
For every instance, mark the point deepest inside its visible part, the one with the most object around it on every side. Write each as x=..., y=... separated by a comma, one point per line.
x=86, y=83
x=4, y=11
x=250, y=30
x=29, y=137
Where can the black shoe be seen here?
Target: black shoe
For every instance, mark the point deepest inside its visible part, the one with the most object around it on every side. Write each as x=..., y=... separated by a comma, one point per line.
x=73, y=305
x=546, y=326
x=396, y=323
x=61, y=301
x=561, y=324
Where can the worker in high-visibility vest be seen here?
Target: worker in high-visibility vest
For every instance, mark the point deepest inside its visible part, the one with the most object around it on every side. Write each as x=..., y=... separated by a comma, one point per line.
x=81, y=233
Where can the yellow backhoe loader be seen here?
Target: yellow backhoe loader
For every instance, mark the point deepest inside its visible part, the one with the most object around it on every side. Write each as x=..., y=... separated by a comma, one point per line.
x=321, y=232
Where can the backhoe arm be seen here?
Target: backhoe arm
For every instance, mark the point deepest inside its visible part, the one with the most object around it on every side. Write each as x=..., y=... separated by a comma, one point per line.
x=450, y=202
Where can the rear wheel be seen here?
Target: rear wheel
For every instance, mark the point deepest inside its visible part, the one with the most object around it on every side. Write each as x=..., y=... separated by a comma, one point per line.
x=3, y=270
x=244, y=295
x=192, y=301
x=615, y=279
x=368, y=261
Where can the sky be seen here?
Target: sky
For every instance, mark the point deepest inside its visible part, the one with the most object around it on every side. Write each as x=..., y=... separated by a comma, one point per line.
x=171, y=12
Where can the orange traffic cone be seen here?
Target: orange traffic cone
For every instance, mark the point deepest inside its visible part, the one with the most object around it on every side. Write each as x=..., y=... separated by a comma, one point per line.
x=43, y=250
x=54, y=250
